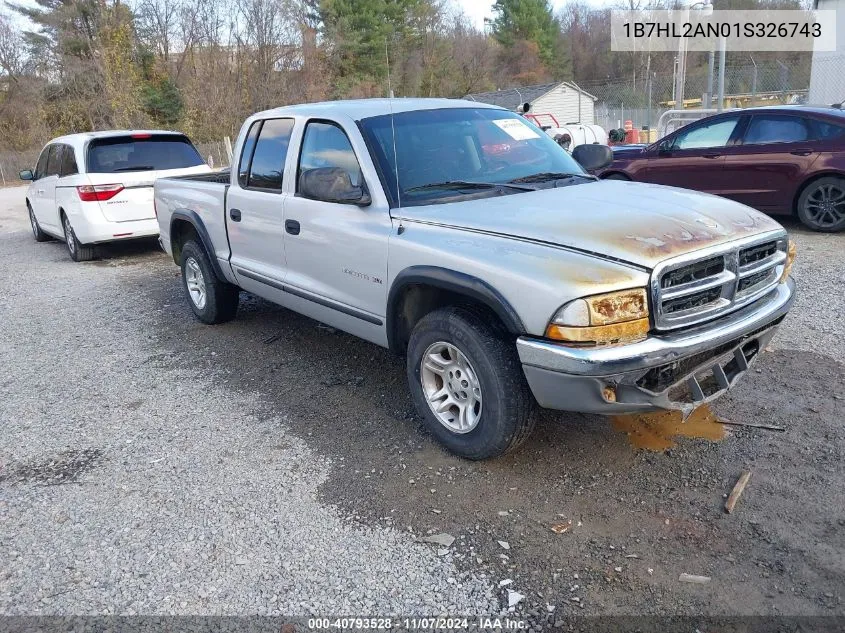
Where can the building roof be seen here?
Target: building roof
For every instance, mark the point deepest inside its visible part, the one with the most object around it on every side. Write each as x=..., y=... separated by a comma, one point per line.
x=358, y=109
x=513, y=97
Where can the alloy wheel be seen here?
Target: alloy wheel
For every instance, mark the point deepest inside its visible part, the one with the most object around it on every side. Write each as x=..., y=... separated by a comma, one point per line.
x=825, y=206
x=70, y=238
x=451, y=387
x=195, y=281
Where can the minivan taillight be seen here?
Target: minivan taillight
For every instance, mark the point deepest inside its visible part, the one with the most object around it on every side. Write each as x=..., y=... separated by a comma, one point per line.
x=98, y=193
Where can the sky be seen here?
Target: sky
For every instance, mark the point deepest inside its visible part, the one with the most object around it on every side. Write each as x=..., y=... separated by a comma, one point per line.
x=477, y=10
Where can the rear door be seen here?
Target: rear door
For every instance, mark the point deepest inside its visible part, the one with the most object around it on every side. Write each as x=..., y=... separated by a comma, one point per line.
x=775, y=154
x=121, y=171
x=694, y=157
x=255, y=211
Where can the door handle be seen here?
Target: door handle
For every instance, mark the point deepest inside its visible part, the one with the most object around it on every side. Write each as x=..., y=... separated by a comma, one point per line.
x=292, y=227
x=40, y=191
x=712, y=155
x=802, y=152
x=235, y=214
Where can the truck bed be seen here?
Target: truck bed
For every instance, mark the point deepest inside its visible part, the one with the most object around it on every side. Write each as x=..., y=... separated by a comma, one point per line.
x=203, y=195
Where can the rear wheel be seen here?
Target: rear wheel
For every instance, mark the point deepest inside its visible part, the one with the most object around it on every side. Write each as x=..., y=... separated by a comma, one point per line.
x=821, y=206
x=212, y=300
x=467, y=384
x=37, y=233
x=78, y=252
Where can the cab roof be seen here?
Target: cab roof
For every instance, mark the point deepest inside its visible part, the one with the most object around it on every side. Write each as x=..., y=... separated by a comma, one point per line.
x=358, y=109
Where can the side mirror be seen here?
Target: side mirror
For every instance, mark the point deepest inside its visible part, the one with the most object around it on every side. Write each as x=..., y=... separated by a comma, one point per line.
x=593, y=157
x=26, y=174
x=332, y=184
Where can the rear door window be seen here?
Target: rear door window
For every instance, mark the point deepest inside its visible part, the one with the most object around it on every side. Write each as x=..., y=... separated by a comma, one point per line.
x=141, y=152
x=826, y=131
x=68, y=162
x=54, y=160
x=771, y=128
x=268, y=159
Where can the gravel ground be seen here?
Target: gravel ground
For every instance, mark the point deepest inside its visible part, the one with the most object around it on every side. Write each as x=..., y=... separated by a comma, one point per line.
x=133, y=482
x=151, y=464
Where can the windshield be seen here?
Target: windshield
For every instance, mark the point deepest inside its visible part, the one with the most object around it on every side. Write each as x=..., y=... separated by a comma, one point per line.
x=460, y=145
x=141, y=152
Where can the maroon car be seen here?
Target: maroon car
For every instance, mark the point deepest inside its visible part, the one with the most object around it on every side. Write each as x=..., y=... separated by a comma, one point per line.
x=780, y=160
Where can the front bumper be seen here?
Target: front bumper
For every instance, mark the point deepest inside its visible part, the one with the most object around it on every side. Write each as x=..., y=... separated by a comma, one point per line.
x=676, y=370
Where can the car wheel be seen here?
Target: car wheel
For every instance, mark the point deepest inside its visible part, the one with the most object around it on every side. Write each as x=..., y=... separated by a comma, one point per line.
x=212, y=300
x=617, y=177
x=467, y=384
x=37, y=233
x=821, y=206
x=78, y=252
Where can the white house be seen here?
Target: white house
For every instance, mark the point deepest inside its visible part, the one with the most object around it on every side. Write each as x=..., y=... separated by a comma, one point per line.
x=565, y=101
x=827, y=74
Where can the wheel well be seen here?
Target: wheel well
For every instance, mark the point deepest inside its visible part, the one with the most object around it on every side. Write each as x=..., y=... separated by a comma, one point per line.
x=810, y=181
x=608, y=174
x=181, y=231
x=415, y=300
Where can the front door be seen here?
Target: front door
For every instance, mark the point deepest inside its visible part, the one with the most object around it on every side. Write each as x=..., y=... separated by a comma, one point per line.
x=337, y=253
x=45, y=191
x=255, y=209
x=694, y=156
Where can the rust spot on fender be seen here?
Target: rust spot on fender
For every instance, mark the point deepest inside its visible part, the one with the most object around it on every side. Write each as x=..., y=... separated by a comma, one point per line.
x=657, y=431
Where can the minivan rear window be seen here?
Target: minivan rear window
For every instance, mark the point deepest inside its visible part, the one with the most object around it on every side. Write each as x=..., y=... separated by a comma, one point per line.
x=152, y=152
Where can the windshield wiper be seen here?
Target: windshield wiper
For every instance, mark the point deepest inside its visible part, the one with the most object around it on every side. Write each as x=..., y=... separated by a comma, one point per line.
x=467, y=184
x=135, y=168
x=551, y=175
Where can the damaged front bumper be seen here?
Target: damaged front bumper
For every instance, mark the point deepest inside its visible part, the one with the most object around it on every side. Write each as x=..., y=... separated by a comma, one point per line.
x=674, y=370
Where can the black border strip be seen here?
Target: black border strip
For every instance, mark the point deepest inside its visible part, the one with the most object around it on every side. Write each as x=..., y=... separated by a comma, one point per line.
x=358, y=314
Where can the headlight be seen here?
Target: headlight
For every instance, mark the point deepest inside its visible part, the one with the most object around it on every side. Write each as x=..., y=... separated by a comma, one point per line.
x=606, y=318
x=790, y=259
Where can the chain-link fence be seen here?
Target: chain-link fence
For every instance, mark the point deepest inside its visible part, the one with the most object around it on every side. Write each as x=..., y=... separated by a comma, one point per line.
x=643, y=99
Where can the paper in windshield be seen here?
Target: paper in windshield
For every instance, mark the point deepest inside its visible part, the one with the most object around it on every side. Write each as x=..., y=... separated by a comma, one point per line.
x=516, y=129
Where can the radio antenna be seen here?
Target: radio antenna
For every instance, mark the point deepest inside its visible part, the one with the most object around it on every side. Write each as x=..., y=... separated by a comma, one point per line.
x=392, y=128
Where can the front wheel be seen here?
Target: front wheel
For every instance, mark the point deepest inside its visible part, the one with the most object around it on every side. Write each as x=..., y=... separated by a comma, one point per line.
x=467, y=384
x=37, y=233
x=212, y=300
x=821, y=206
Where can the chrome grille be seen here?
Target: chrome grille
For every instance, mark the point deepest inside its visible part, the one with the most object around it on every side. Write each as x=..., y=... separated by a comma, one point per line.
x=706, y=284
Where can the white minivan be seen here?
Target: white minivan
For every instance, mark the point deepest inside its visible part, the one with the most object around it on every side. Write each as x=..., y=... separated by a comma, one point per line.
x=97, y=187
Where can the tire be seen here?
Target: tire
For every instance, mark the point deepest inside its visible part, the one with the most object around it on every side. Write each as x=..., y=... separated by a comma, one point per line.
x=617, y=177
x=821, y=206
x=78, y=252
x=502, y=416
x=37, y=233
x=213, y=301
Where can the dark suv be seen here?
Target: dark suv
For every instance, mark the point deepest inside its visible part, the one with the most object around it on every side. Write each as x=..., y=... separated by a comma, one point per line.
x=780, y=160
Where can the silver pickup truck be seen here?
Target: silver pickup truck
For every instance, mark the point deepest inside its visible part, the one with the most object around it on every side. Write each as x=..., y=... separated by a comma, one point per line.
x=462, y=237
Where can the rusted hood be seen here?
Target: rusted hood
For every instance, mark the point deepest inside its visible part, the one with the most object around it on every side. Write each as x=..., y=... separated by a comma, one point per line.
x=639, y=223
